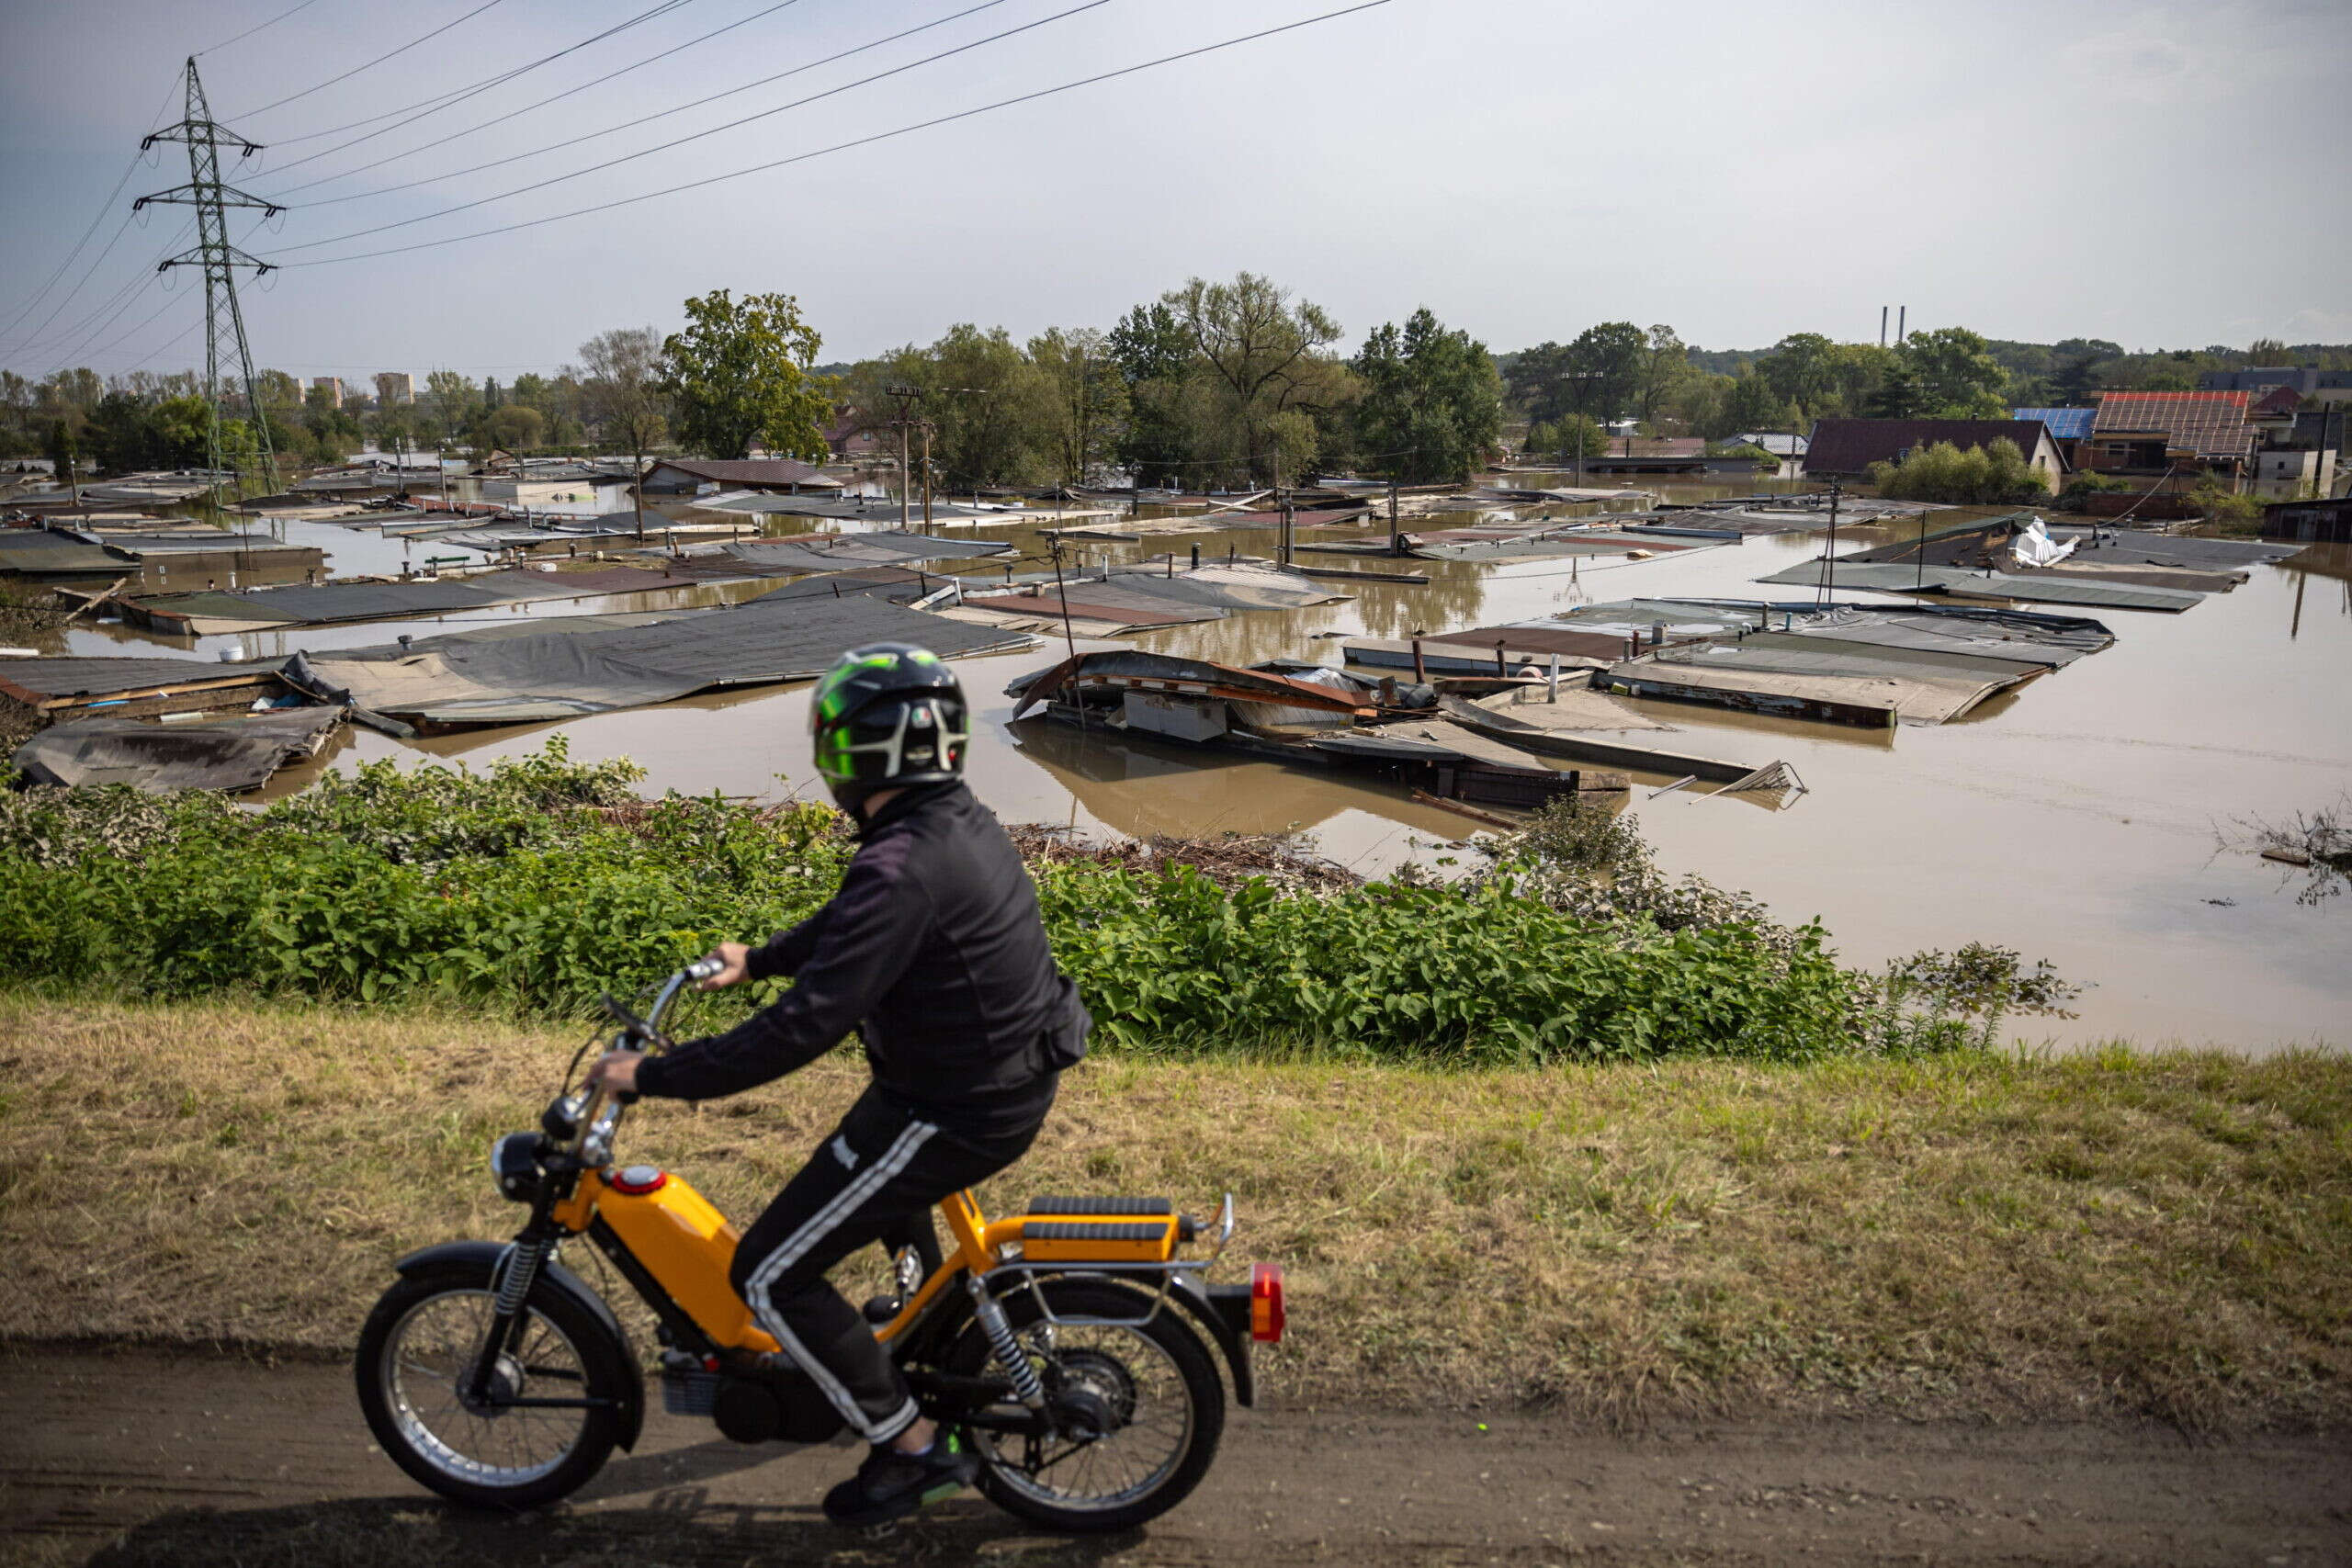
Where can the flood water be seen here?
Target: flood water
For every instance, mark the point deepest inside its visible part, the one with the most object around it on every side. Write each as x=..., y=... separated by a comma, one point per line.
x=2078, y=818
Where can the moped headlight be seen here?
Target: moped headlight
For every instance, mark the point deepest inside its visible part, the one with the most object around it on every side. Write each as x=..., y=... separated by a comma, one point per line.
x=514, y=1165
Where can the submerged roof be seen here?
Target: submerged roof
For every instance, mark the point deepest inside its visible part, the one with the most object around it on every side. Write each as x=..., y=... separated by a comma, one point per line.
x=235, y=754
x=751, y=472
x=517, y=679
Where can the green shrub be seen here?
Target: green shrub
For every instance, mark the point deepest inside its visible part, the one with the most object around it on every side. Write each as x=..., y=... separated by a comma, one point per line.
x=531, y=887
x=1998, y=475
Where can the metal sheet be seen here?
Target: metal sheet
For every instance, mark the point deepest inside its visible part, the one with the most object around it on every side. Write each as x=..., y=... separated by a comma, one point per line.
x=1898, y=577
x=224, y=754
x=469, y=679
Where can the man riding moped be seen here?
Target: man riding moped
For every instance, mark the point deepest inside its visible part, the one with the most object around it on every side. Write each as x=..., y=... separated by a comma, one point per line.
x=934, y=951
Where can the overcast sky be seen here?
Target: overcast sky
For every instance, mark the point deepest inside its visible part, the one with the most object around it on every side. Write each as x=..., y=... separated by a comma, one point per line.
x=2163, y=174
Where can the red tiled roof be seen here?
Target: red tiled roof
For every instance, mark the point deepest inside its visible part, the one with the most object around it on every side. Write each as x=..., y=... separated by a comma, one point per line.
x=2212, y=424
x=2277, y=401
x=1850, y=445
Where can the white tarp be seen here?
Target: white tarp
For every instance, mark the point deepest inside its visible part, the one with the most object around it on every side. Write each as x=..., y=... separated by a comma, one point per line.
x=2036, y=547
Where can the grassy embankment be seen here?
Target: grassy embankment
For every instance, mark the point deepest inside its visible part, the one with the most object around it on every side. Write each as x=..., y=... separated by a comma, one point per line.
x=1568, y=1131
x=1963, y=1233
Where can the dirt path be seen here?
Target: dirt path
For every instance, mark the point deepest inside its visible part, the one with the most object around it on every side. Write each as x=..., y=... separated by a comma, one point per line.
x=149, y=1460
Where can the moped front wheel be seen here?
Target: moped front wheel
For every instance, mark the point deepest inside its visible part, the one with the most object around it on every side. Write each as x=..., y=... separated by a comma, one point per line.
x=415, y=1367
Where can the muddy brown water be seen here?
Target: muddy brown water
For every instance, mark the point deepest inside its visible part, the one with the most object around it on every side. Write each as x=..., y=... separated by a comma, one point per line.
x=2080, y=818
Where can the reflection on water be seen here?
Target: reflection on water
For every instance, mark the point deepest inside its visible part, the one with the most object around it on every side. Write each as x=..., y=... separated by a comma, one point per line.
x=1141, y=787
x=2074, y=818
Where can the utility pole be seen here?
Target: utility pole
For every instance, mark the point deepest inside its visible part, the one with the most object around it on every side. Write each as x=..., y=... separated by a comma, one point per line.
x=926, y=478
x=225, y=318
x=1392, y=519
x=1828, y=592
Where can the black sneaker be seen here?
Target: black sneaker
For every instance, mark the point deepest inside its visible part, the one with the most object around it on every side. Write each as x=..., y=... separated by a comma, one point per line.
x=890, y=1485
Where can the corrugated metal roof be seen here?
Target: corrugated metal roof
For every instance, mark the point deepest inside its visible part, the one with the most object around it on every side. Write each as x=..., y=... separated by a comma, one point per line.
x=1900, y=577
x=753, y=471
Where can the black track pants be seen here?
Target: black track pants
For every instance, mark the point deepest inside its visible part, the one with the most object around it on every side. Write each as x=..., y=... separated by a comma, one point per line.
x=879, y=1169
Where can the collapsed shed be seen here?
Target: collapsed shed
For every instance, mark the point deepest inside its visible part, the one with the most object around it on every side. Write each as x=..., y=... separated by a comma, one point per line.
x=1302, y=715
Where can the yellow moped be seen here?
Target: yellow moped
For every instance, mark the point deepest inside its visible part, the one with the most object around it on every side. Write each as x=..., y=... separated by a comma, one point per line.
x=1070, y=1344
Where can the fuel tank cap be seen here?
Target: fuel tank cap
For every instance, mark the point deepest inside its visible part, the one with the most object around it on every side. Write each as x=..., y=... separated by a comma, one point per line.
x=638, y=1179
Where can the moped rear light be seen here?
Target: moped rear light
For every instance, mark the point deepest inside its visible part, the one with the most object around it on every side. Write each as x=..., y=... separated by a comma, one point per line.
x=1266, y=1303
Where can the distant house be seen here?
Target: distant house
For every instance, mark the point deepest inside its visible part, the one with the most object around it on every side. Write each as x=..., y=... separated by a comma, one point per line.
x=1848, y=447
x=1780, y=443
x=2308, y=381
x=679, y=478
x=2172, y=440
x=848, y=439
x=2068, y=428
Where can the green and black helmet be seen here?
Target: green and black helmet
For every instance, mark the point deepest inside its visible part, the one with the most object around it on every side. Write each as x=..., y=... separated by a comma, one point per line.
x=888, y=714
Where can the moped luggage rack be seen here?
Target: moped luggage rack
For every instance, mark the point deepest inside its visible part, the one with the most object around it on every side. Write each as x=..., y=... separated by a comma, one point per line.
x=1000, y=1281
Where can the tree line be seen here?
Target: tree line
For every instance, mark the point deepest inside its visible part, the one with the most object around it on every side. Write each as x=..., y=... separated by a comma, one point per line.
x=1213, y=384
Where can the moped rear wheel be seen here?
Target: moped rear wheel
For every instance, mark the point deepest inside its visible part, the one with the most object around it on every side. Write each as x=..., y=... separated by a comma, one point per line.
x=414, y=1358
x=1146, y=1383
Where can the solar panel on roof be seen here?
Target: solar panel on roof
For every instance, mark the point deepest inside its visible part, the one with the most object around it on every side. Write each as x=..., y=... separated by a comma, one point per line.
x=2065, y=424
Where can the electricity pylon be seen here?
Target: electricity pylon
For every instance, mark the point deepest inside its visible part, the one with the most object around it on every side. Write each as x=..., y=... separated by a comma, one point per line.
x=224, y=320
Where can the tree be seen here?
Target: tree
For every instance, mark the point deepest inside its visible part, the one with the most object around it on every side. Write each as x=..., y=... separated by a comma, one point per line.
x=452, y=397
x=514, y=428
x=1268, y=356
x=740, y=373
x=1602, y=369
x=1750, y=405
x=1573, y=436
x=1898, y=394
x=1088, y=396
x=63, y=452
x=1665, y=361
x=1957, y=375
x=1431, y=408
x=1155, y=356
x=619, y=378
x=2076, y=376
x=1537, y=381
x=1802, y=368
x=278, y=389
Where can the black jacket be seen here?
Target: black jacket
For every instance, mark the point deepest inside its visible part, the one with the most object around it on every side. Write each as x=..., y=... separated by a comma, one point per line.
x=934, y=951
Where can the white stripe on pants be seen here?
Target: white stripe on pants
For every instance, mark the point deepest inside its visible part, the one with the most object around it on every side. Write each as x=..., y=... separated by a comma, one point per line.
x=845, y=1202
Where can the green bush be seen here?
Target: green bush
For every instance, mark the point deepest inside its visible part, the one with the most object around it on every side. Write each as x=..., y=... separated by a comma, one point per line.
x=531, y=887
x=1998, y=475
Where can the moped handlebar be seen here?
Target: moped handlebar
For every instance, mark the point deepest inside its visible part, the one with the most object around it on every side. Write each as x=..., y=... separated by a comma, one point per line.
x=600, y=1113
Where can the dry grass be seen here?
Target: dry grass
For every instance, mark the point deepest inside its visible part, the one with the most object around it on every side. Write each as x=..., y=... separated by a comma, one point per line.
x=2005, y=1237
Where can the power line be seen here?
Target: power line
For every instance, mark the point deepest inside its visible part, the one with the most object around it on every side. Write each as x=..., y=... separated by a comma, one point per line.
x=452, y=99
x=144, y=276
x=838, y=146
x=355, y=70
x=699, y=135
x=625, y=125
x=152, y=120
x=83, y=282
x=39, y=294
x=258, y=25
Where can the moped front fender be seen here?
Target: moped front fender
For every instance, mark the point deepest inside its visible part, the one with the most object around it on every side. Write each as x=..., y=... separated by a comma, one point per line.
x=479, y=1260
